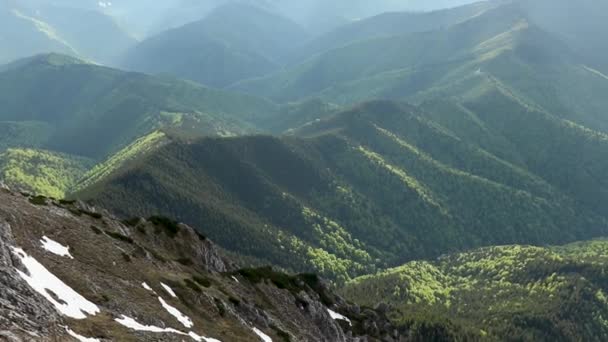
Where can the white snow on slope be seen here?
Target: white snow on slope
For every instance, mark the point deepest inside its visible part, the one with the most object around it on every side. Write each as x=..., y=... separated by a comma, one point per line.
x=334, y=315
x=147, y=287
x=263, y=336
x=183, y=319
x=55, y=247
x=80, y=337
x=169, y=290
x=201, y=338
x=134, y=325
x=70, y=303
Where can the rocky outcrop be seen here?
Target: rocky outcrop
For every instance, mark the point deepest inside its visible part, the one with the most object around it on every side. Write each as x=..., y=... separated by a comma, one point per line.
x=23, y=313
x=151, y=280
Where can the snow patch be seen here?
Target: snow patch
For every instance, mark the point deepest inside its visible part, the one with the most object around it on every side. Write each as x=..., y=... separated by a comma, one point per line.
x=263, y=336
x=169, y=290
x=235, y=279
x=336, y=316
x=134, y=325
x=55, y=247
x=199, y=338
x=147, y=287
x=80, y=337
x=69, y=302
x=183, y=319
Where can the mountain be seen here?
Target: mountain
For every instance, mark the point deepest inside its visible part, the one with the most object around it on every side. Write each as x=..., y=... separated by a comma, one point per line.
x=376, y=185
x=72, y=272
x=322, y=16
x=82, y=104
x=59, y=104
x=515, y=293
x=389, y=24
x=41, y=171
x=502, y=45
x=23, y=35
x=576, y=23
x=92, y=33
x=31, y=28
x=233, y=42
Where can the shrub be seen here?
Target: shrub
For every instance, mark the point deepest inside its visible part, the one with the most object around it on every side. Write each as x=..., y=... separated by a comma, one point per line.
x=203, y=281
x=191, y=284
x=185, y=261
x=170, y=227
x=91, y=214
x=126, y=257
x=282, y=334
x=234, y=301
x=38, y=200
x=119, y=236
x=132, y=222
x=96, y=230
x=220, y=306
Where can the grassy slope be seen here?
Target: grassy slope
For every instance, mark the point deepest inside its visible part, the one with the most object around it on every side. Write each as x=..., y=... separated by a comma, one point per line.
x=499, y=293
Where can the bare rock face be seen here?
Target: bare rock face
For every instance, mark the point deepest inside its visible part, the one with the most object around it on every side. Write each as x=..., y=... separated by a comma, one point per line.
x=24, y=314
x=152, y=280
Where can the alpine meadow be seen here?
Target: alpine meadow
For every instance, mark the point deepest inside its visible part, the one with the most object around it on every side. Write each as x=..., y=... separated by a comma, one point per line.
x=283, y=170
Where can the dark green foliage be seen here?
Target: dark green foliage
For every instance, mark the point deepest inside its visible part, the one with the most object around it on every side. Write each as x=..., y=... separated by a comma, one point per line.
x=91, y=214
x=284, y=336
x=201, y=237
x=201, y=280
x=132, y=222
x=293, y=283
x=220, y=306
x=279, y=279
x=119, y=237
x=74, y=211
x=234, y=301
x=163, y=224
x=185, y=261
x=67, y=202
x=193, y=285
x=96, y=230
x=38, y=200
x=377, y=185
x=126, y=257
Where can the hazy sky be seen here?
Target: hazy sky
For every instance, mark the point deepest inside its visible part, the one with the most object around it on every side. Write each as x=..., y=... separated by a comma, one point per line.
x=154, y=15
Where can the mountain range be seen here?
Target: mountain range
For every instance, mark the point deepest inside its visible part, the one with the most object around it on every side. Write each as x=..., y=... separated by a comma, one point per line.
x=437, y=168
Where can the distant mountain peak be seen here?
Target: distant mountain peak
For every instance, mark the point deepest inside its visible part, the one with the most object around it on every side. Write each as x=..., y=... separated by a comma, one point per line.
x=57, y=59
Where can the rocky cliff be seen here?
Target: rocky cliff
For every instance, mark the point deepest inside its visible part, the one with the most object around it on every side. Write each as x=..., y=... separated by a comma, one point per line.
x=70, y=271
